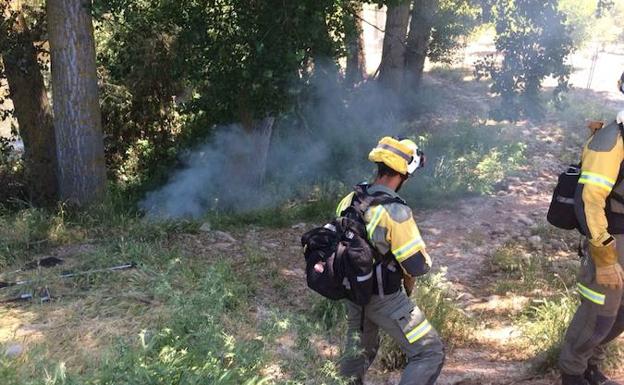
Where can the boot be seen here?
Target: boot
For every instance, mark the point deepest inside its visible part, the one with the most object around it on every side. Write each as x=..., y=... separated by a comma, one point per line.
x=595, y=377
x=569, y=379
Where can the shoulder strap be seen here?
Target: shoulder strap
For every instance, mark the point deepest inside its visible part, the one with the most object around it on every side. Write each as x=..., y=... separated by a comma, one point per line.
x=363, y=200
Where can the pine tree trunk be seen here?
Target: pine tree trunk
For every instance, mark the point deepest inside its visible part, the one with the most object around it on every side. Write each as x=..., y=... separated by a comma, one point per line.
x=33, y=114
x=393, y=54
x=77, y=119
x=418, y=39
x=356, y=61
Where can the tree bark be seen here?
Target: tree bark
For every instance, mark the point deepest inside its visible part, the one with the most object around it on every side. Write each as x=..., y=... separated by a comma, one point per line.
x=77, y=116
x=418, y=38
x=392, y=65
x=356, y=61
x=33, y=113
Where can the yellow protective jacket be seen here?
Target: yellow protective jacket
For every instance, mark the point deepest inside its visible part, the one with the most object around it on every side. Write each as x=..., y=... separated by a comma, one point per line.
x=391, y=229
x=599, y=214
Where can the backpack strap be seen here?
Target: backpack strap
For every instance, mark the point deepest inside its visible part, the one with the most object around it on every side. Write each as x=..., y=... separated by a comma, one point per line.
x=363, y=200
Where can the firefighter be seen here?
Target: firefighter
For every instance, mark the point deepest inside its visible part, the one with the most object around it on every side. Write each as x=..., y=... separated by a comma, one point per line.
x=599, y=207
x=393, y=233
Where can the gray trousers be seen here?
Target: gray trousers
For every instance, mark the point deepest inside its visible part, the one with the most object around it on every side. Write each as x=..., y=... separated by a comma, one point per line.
x=407, y=325
x=598, y=320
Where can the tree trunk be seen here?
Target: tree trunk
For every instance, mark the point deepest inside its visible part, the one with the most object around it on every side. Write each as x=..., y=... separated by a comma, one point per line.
x=356, y=61
x=33, y=114
x=77, y=117
x=392, y=66
x=418, y=39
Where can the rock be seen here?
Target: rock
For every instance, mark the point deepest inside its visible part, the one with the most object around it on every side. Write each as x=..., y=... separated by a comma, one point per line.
x=205, y=227
x=271, y=245
x=536, y=242
x=298, y=226
x=525, y=220
x=225, y=236
x=465, y=296
x=565, y=266
x=222, y=246
x=527, y=257
x=530, y=190
x=14, y=351
x=558, y=244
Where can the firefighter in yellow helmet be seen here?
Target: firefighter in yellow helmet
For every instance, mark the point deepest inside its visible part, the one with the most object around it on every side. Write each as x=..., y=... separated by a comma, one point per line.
x=393, y=233
x=599, y=206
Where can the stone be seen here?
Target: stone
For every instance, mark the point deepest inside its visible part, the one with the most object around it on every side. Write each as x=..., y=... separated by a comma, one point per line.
x=525, y=220
x=14, y=351
x=205, y=227
x=225, y=236
x=558, y=244
x=298, y=226
x=535, y=241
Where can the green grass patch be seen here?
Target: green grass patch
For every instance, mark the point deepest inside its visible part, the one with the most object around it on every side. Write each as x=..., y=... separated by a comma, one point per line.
x=276, y=217
x=526, y=272
x=544, y=325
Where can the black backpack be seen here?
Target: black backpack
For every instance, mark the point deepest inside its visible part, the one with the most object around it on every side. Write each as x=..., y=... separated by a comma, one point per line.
x=339, y=258
x=561, y=212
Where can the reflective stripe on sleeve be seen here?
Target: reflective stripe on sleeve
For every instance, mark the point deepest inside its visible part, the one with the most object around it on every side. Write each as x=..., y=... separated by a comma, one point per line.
x=405, y=251
x=594, y=296
x=376, y=217
x=418, y=332
x=595, y=179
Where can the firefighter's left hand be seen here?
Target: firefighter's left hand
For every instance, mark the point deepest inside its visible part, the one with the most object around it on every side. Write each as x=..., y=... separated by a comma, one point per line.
x=408, y=284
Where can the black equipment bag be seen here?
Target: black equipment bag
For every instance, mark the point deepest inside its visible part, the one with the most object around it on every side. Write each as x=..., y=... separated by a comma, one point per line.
x=561, y=212
x=340, y=261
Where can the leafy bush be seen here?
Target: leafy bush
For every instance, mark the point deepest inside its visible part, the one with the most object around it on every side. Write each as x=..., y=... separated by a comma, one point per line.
x=463, y=160
x=12, y=183
x=534, y=40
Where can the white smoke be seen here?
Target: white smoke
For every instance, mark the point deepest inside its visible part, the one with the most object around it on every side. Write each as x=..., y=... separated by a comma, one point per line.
x=330, y=142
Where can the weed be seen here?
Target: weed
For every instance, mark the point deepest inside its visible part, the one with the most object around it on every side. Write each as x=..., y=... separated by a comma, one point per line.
x=329, y=314
x=525, y=272
x=544, y=325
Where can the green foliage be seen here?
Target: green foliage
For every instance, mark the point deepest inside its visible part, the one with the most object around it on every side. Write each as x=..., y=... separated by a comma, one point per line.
x=173, y=69
x=469, y=158
x=544, y=326
x=453, y=20
x=328, y=313
x=175, y=353
x=534, y=39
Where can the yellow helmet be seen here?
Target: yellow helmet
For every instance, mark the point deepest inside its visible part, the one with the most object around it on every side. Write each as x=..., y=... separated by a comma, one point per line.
x=403, y=156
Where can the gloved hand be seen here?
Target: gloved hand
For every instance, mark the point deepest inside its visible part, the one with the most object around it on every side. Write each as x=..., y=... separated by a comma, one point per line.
x=611, y=276
x=595, y=125
x=609, y=273
x=408, y=283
